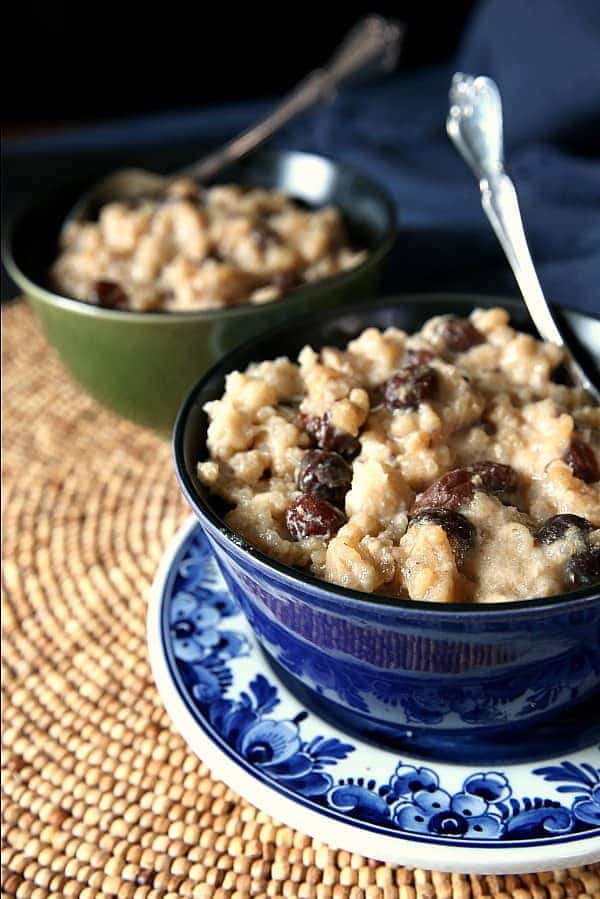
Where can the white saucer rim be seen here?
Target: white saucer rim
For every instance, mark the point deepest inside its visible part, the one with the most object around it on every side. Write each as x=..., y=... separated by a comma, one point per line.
x=570, y=852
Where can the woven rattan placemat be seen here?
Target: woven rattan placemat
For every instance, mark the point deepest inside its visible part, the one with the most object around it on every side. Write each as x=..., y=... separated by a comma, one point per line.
x=101, y=797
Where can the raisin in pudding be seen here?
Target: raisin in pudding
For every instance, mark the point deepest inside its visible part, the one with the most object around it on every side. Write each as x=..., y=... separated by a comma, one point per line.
x=197, y=249
x=443, y=466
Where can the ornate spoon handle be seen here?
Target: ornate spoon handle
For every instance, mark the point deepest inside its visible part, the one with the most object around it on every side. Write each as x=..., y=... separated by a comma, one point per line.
x=474, y=125
x=372, y=45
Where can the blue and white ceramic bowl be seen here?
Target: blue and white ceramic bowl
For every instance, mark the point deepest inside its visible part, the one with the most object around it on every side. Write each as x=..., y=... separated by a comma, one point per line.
x=472, y=683
x=242, y=721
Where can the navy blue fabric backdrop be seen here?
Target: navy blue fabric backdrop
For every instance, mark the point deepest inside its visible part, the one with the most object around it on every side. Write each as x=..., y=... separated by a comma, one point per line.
x=545, y=56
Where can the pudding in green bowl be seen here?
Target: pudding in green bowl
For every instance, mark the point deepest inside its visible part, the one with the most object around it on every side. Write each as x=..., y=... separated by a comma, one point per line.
x=142, y=363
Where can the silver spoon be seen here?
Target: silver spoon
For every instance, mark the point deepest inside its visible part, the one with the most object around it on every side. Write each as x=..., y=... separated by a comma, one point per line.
x=373, y=45
x=474, y=124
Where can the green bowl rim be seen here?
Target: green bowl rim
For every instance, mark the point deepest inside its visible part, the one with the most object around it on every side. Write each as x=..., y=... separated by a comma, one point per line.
x=301, y=294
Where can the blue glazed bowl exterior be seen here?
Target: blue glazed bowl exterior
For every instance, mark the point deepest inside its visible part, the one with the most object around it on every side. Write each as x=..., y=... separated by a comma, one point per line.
x=490, y=683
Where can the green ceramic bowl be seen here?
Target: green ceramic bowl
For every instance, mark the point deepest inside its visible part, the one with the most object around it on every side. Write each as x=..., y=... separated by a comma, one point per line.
x=142, y=364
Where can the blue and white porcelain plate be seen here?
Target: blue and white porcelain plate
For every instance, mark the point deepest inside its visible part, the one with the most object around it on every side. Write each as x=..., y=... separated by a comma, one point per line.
x=257, y=737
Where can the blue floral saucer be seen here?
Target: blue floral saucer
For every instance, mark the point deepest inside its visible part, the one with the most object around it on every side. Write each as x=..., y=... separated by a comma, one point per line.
x=256, y=736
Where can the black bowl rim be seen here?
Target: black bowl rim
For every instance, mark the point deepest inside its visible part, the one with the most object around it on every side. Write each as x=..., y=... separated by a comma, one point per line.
x=563, y=602
x=294, y=298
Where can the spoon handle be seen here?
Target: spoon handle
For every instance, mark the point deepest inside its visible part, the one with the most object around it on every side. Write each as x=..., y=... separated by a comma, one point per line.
x=499, y=201
x=372, y=45
x=474, y=124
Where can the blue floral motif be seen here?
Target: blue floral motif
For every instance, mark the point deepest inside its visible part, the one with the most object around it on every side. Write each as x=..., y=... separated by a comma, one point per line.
x=413, y=800
x=587, y=809
x=198, y=605
x=584, y=780
x=536, y=817
x=274, y=746
x=408, y=779
x=423, y=807
x=360, y=801
x=423, y=704
x=491, y=786
x=437, y=812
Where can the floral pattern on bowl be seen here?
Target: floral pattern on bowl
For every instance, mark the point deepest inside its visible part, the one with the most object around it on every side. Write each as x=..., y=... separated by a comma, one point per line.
x=220, y=672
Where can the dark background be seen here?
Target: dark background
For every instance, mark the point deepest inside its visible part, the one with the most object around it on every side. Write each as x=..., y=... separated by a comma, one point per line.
x=69, y=62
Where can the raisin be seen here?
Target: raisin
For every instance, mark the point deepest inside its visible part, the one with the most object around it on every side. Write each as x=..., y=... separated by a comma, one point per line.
x=495, y=477
x=326, y=475
x=451, y=491
x=459, y=334
x=458, y=529
x=456, y=487
x=557, y=526
x=584, y=567
x=581, y=460
x=311, y=516
x=409, y=387
x=109, y=294
x=330, y=438
x=418, y=357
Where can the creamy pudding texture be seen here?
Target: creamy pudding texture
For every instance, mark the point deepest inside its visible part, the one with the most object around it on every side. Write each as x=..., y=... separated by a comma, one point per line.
x=196, y=249
x=444, y=466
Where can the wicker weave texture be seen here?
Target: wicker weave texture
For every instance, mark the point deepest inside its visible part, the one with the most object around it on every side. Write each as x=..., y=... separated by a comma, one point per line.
x=101, y=797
